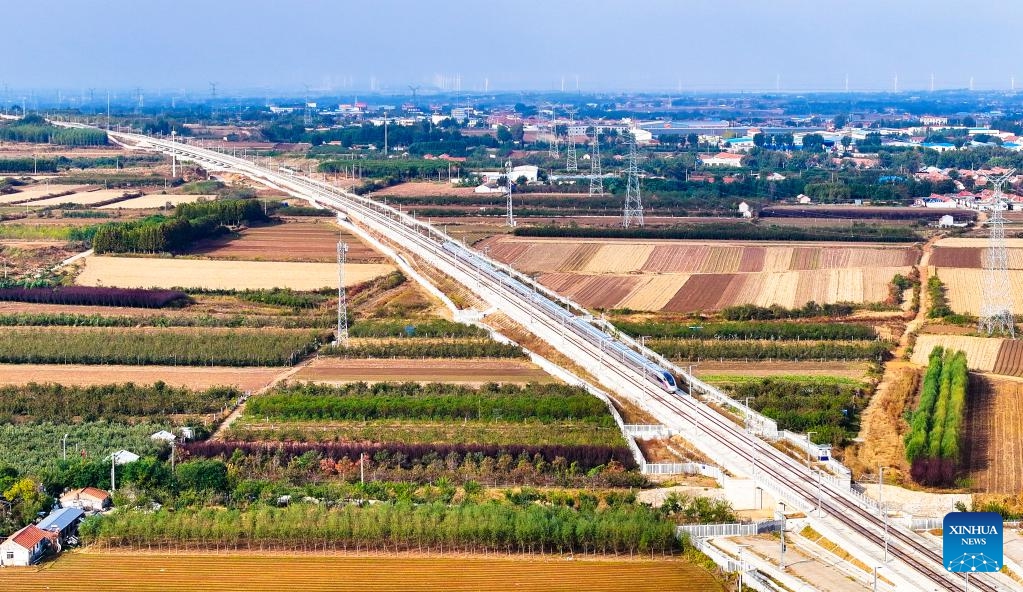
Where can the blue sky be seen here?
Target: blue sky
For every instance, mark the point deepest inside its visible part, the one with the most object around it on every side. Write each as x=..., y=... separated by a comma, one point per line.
x=610, y=45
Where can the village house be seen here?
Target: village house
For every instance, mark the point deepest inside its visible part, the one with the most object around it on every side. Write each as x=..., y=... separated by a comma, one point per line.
x=721, y=159
x=89, y=499
x=25, y=547
x=62, y=523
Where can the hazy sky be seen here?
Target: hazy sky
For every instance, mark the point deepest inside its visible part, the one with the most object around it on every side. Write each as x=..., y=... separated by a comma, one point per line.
x=531, y=44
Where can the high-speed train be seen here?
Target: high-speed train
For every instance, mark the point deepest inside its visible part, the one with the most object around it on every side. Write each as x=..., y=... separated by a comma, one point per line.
x=613, y=348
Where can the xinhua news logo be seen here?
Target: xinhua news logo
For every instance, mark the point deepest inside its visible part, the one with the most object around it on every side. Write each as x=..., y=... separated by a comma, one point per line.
x=972, y=541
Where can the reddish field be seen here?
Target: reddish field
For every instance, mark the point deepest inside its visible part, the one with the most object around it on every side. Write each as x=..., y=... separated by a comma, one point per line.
x=1010, y=358
x=425, y=189
x=595, y=291
x=252, y=572
x=994, y=435
x=956, y=257
x=292, y=241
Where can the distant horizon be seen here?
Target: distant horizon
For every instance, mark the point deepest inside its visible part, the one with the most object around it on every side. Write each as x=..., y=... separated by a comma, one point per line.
x=604, y=46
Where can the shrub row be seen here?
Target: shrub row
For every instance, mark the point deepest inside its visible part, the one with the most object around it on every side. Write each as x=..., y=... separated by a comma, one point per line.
x=440, y=348
x=769, y=350
x=55, y=402
x=157, y=346
x=411, y=400
x=748, y=330
x=752, y=312
x=95, y=296
x=586, y=457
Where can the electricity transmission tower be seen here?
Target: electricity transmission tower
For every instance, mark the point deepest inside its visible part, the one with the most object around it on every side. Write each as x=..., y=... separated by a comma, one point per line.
x=996, y=299
x=552, y=149
x=510, y=219
x=571, y=162
x=633, y=212
x=342, y=298
x=596, y=175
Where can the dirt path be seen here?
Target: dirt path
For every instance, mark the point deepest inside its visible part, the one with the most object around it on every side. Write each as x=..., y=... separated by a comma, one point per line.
x=236, y=413
x=882, y=423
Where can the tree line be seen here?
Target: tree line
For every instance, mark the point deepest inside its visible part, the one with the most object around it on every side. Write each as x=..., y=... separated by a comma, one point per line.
x=189, y=223
x=934, y=440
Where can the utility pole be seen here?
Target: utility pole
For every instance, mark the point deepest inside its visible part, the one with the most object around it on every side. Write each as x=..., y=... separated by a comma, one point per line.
x=781, y=555
x=510, y=218
x=113, y=460
x=385, y=133
x=64, y=445
x=808, y=455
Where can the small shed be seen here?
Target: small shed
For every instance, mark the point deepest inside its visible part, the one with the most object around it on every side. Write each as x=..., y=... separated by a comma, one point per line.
x=88, y=498
x=123, y=457
x=744, y=210
x=188, y=433
x=946, y=221
x=25, y=547
x=64, y=524
x=163, y=436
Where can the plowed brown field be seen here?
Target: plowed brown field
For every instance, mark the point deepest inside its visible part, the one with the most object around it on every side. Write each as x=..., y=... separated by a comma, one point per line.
x=292, y=241
x=338, y=370
x=193, y=377
x=994, y=435
x=310, y=573
x=1010, y=358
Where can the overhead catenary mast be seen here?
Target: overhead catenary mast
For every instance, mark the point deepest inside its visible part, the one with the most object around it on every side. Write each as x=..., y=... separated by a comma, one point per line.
x=996, y=298
x=633, y=212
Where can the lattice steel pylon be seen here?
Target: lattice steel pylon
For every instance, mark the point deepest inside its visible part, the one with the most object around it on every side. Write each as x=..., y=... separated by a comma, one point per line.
x=596, y=175
x=633, y=212
x=342, y=297
x=571, y=162
x=996, y=298
x=510, y=218
x=552, y=149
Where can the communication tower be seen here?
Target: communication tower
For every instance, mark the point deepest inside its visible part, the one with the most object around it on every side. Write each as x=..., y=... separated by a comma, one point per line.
x=633, y=212
x=996, y=299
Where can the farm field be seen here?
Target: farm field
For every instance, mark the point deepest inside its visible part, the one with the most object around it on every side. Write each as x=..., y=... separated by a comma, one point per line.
x=193, y=377
x=963, y=287
x=681, y=292
x=425, y=189
x=670, y=256
x=709, y=370
x=87, y=198
x=692, y=276
x=994, y=435
x=36, y=192
x=469, y=372
x=140, y=572
x=155, y=200
x=132, y=272
x=291, y=241
x=981, y=352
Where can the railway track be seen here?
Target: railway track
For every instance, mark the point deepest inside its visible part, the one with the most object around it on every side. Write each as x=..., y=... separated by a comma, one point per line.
x=793, y=480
